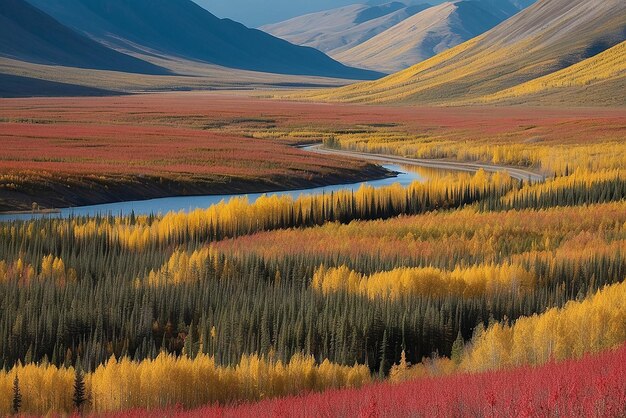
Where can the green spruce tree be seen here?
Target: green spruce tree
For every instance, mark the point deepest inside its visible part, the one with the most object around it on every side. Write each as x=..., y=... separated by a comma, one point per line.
x=17, y=395
x=80, y=393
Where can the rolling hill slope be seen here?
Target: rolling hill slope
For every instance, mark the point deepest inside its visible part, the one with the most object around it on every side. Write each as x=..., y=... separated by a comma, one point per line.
x=182, y=29
x=546, y=37
x=19, y=86
x=596, y=80
x=424, y=35
x=28, y=34
x=336, y=30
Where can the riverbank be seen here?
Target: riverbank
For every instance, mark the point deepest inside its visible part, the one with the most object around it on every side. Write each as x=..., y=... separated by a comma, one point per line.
x=518, y=173
x=188, y=203
x=62, y=152
x=67, y=192
x=32, y=212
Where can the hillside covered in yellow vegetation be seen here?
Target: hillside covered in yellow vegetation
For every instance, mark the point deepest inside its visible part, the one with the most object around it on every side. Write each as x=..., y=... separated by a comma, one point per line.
x=547, y=38
x=595, y=79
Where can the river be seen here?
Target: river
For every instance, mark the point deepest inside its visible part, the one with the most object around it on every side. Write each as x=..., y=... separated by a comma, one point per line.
x=405, y=177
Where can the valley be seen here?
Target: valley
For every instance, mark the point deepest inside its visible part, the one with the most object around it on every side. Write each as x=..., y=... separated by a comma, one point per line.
x=135, y=147
x=374, y=209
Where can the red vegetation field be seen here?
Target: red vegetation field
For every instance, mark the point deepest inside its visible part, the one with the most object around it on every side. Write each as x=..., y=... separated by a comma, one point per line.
x=208, y=133
x=594, y=386
x=107, y=149
x=146, y=135
x=201, y=143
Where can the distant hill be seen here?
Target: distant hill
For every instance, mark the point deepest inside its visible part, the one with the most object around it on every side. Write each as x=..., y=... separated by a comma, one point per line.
x=336, y=30
x=393, y=36
x=600, y=79
x=544, y=38
x=181, y=28
x=424, y=35
x=18, y=86
x=28, y=34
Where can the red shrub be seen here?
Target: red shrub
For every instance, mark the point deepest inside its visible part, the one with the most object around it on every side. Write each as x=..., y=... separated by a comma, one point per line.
x=594, y=386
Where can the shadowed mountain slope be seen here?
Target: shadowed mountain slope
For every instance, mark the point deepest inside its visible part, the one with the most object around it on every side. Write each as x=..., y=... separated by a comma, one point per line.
x=18, y=86
x=181, y=28
x=28, y=34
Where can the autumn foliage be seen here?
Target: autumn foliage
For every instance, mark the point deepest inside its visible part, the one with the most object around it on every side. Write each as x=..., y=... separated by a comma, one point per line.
x=398, y=293
x=240, y=217
x=593, y=386
x=468, y=282
x=555, y=334
x=134, y=147
x=166, y=381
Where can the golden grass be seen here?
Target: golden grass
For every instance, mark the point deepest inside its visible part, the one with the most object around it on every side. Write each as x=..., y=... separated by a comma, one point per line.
x=608, y=66
x=540, y=41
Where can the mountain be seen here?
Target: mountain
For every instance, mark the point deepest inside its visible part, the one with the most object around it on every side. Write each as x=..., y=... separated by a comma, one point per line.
x=333, y=31
x=19, y=86
x=28, y=34
x=600, y=79
x=424, y=35
x=521, y=4
x=546, y=37
x=393, y=36
x=255, y=13
x=182, y=29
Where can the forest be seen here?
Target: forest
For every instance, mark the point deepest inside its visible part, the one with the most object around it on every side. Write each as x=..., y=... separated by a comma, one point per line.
x=460, y=267
x=461, y=278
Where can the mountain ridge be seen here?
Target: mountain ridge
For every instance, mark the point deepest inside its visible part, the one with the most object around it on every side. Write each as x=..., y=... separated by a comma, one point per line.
x=181, y=28
x=398, y=35
x=29, y=34
x=335, y=30
x=423, y=35
x=546, y=37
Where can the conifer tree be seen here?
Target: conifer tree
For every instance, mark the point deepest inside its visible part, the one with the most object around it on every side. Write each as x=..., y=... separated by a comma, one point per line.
x=457, y=349
x=80, y=393
x=17, y=395
x=383, y=355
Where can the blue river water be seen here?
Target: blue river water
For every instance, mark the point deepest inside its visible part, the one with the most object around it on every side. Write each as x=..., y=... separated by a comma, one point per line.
x=188, y=203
